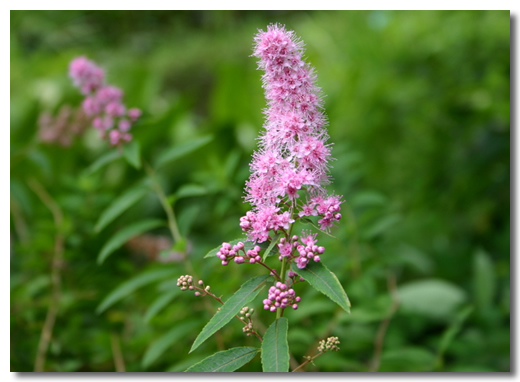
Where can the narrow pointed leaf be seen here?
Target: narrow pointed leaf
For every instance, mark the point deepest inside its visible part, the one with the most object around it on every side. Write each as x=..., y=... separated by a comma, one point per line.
x=189, y=190
x=133, y=284
x=120, y=205
x=180, y=150
x=273, y=243
x=102, y=161
x=225, y=361
x=160, y=303
x=132, y=154
x=126, y=234
x=247, y=292
x=158, y=347
x=324, y=281
x=275, y=349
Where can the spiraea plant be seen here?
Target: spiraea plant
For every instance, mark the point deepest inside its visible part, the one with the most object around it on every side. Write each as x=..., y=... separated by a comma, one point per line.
x=103, y=102
x=289, y=172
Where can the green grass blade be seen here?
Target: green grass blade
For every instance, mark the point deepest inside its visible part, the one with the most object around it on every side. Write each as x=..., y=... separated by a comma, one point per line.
x=158, y=347
x=126, y=234
x=133, y=284
x=102, y=162
x=180, y=150
x=160, y=303
x=120, y=205
x=132, y=154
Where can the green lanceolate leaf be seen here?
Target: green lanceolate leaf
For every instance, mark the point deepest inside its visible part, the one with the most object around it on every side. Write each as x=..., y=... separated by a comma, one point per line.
x=158, y=347
x=189, y=190
x=126, y=234
x=484, y=280
x=275, y=349
x=452, y=331
x=225, y=361
x=247, y=292
x=102, y=161
x=273, y=243
x=324, y=281
x=160, y=303
x=120, y=205
x=179, y=151
x=132, y=154
x=131, y=285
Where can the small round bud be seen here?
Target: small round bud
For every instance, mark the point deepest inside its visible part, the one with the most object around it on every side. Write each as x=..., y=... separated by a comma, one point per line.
x=197, y=294
x=295, y=306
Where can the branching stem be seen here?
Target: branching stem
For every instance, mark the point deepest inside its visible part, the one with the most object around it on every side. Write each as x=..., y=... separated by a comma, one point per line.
x=56, y=265
x=309, y=359
x=381, y=332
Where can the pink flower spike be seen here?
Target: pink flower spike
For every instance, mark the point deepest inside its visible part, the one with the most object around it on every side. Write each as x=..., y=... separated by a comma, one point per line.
x=293, y=155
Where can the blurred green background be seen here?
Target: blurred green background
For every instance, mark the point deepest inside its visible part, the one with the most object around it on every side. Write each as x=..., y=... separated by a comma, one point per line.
x=419, y=111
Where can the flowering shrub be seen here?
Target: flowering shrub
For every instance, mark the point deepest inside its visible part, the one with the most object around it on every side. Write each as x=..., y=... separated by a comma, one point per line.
x=287, y=184
x=103, y=102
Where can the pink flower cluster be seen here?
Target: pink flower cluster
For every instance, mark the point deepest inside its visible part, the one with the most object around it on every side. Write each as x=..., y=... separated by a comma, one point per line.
x=228, y=252
x=293, y=155
x=306, y=249
x=327, y=208
x=281, y=297
x=103, y=102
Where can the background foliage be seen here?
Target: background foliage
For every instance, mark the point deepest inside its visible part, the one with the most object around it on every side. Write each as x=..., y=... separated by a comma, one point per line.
x=419, y=112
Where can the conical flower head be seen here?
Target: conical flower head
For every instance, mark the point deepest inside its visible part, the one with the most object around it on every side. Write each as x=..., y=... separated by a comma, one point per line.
x=293, y=155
